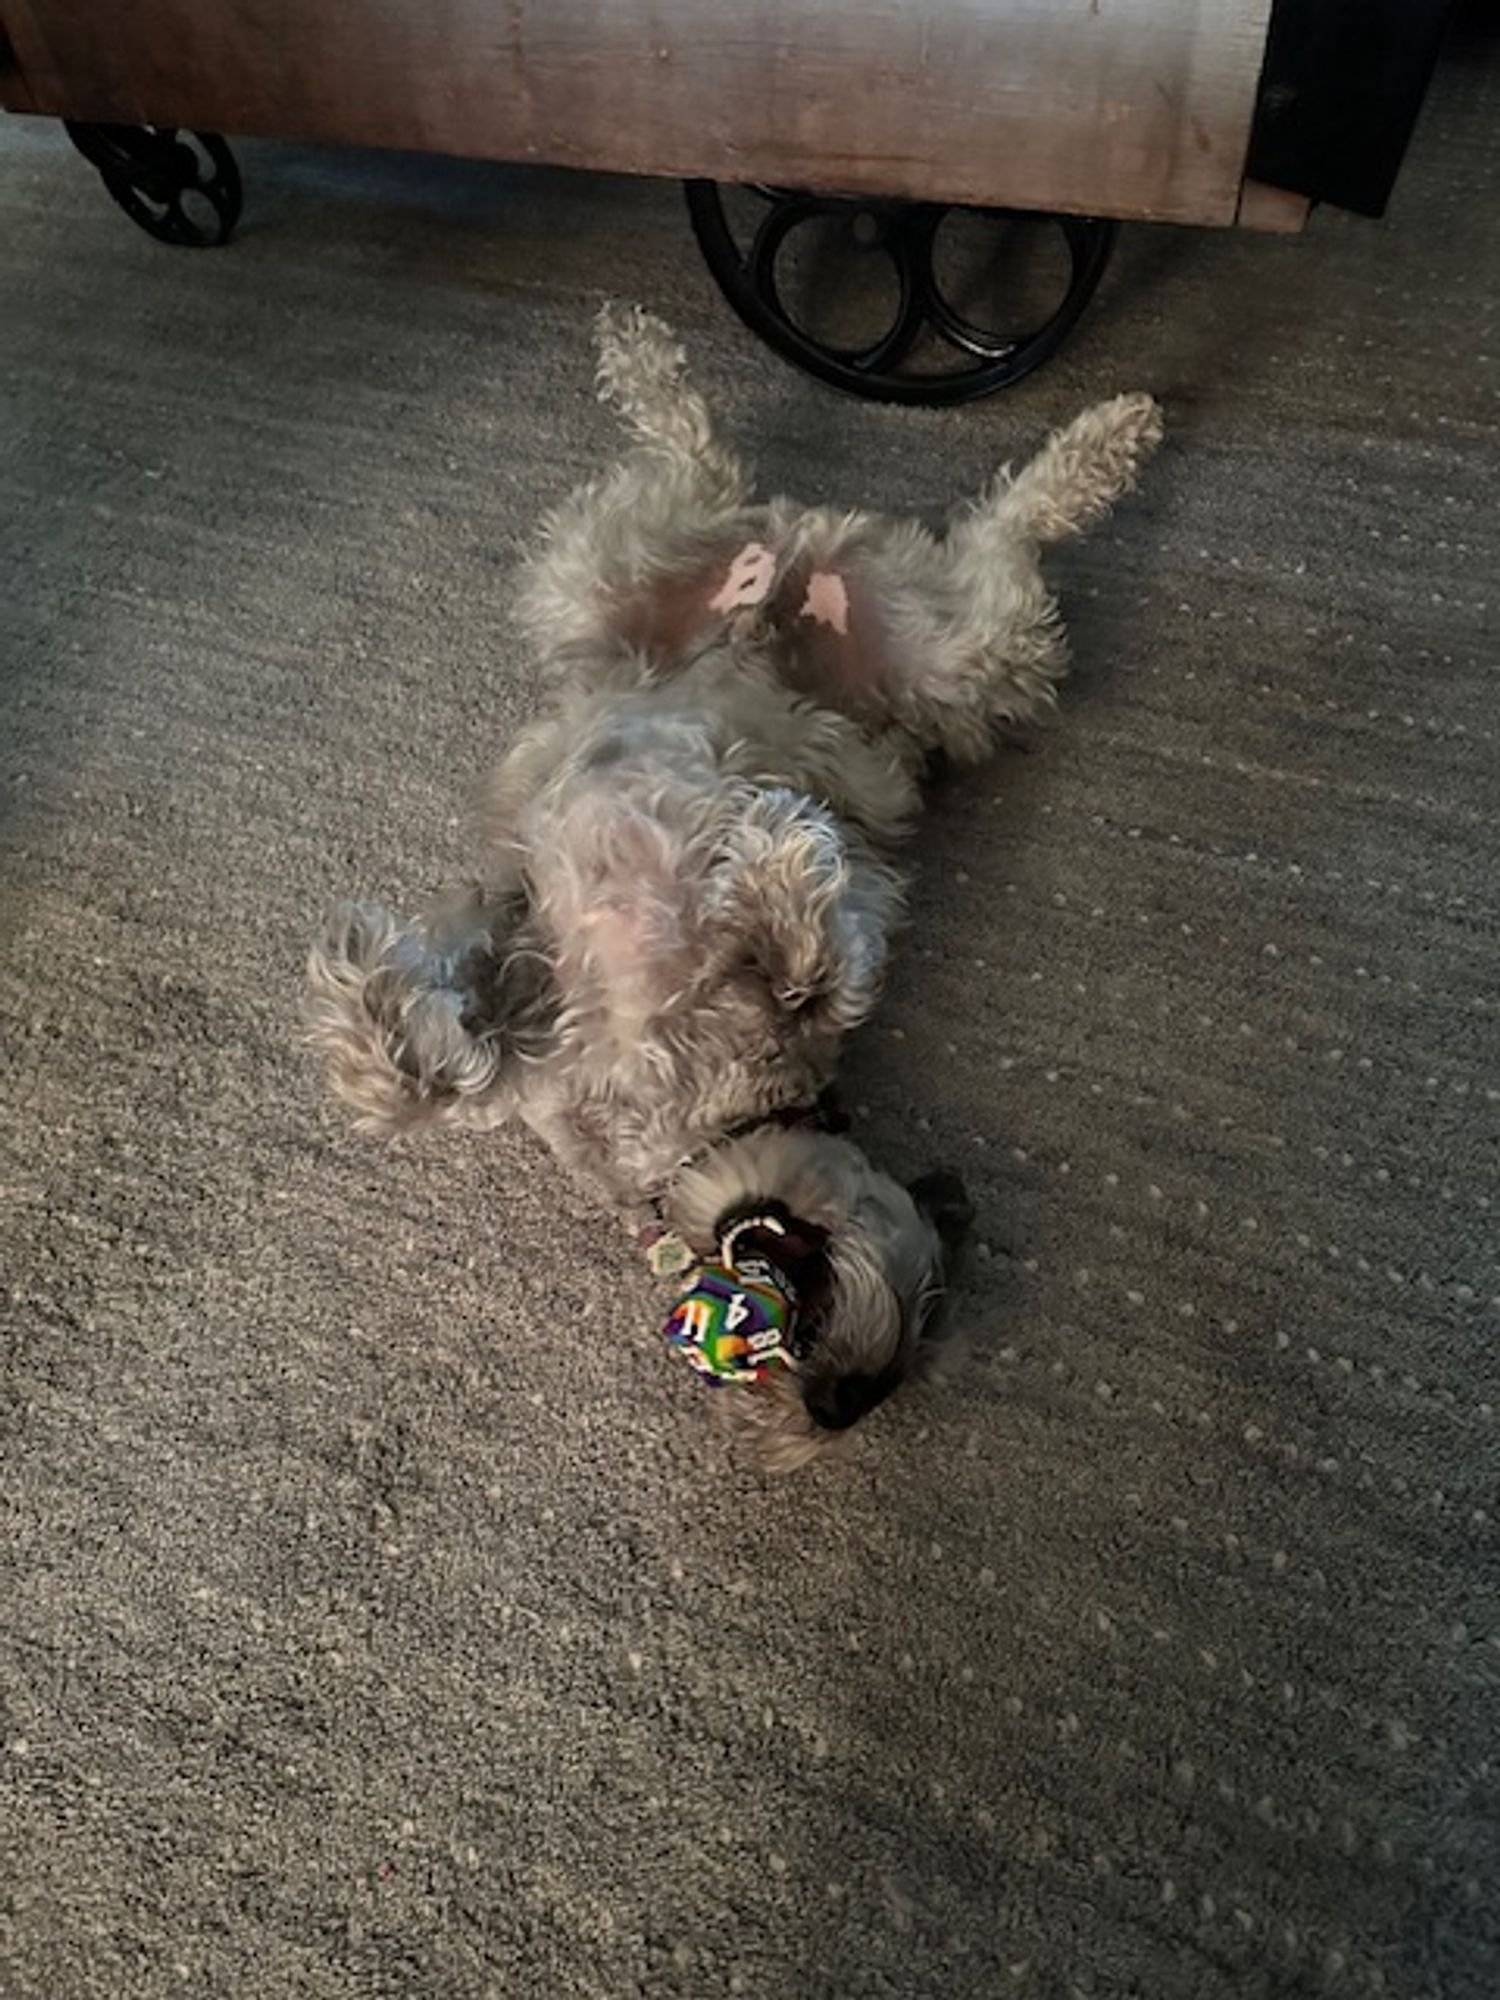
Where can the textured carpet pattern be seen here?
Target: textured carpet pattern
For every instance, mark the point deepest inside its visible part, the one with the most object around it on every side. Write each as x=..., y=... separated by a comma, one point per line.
x=377, y=1613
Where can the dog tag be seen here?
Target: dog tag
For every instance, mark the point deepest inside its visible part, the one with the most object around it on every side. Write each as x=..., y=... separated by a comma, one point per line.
x=669, y=1256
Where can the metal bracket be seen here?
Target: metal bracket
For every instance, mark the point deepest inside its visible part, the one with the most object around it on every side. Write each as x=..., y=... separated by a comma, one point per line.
x=1339, y=95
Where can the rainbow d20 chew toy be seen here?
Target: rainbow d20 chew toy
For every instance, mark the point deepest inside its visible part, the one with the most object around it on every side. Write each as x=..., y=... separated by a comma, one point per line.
x=735, y=1321
x=733, y=1328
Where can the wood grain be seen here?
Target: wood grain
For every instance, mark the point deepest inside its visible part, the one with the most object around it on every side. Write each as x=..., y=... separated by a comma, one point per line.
x=1119, y=107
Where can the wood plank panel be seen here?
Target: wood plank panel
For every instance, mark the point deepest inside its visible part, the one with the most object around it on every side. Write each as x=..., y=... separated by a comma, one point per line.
x=1120, y=107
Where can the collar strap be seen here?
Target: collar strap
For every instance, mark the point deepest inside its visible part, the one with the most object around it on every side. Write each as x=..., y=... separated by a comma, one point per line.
x=825, y=1114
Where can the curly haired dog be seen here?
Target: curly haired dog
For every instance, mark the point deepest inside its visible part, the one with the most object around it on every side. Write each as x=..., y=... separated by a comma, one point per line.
x=689, y=881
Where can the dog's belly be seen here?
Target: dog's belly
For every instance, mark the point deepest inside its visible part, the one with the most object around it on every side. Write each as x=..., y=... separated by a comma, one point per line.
x=621, y=911
x=621, y=842
x=670, y=1033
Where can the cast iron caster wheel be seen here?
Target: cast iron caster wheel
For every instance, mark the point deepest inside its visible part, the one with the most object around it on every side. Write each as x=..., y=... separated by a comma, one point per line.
x=919, y=321
x=181, y=188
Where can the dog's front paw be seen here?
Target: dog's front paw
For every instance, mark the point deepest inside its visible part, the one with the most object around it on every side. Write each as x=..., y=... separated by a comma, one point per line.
x=388, y=1023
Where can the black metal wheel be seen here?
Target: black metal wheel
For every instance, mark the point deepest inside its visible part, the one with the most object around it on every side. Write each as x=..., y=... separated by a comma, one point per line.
x=901, y=360
x=180, y=187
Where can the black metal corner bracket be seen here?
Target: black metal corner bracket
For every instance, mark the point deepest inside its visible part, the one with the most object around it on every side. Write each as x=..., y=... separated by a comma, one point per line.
x=181, y=188
x=1339, y=95
x=924, y=318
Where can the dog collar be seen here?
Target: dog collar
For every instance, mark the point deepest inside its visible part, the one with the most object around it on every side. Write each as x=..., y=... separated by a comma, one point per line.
x=670, y=1255
x=826, y=1114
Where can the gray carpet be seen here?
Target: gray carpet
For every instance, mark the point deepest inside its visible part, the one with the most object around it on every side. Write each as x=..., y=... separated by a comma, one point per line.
x=379, y=1614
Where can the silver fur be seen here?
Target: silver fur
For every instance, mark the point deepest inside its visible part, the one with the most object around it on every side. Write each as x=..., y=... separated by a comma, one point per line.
x=689, y=881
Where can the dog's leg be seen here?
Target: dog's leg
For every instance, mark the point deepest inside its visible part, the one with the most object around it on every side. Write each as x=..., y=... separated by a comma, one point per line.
x=628, y=566
x=1000, y=651
x=952, y=638
x=422, y=1025
x=642, y=374
x=1072, y=482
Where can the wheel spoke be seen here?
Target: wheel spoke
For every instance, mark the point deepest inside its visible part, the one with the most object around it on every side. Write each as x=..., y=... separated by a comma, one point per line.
x=770, y=238
x=148, y=169
x=888, y=353
x=882, y=368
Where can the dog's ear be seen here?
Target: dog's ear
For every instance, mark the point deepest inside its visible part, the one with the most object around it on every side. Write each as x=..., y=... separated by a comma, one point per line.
x=944, y=1200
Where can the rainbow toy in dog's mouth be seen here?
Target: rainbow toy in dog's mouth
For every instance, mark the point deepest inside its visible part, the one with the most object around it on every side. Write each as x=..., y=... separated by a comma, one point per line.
x=737, y=1320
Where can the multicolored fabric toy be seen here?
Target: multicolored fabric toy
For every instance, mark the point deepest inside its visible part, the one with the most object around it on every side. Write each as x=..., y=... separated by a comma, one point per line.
x=736, y=1321
x=731, y=1328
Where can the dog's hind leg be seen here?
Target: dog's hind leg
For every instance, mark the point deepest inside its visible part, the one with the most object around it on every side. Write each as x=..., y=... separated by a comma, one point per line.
x=950, y=638
x=418, y=1025
x=642, y=373
x=999, y=649
x=1071, y=483
x=627, y=567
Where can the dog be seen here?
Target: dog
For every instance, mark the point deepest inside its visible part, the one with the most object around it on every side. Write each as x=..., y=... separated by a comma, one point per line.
x=690, y=873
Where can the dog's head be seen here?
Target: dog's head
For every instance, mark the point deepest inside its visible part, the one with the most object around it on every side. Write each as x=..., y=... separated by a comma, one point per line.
x=871, y=1265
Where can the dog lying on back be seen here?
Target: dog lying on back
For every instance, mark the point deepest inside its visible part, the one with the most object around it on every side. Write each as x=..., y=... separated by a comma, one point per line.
x=690, y=876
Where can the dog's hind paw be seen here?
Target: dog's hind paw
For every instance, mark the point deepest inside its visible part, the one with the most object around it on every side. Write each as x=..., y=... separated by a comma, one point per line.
x=637, y=352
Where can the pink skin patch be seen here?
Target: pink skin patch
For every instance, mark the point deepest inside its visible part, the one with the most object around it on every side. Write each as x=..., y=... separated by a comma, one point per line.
x=748, y=581
x=827, y=601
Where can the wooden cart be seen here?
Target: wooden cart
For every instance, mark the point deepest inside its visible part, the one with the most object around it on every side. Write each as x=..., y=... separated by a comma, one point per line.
x=879, y=114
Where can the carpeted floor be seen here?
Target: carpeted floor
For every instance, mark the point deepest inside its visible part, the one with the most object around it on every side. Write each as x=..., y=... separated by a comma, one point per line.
x=379, y=1615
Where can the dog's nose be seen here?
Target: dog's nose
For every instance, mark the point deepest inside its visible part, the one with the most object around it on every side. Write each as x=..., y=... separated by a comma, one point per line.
x=834, y=1406
x=829, y=1409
